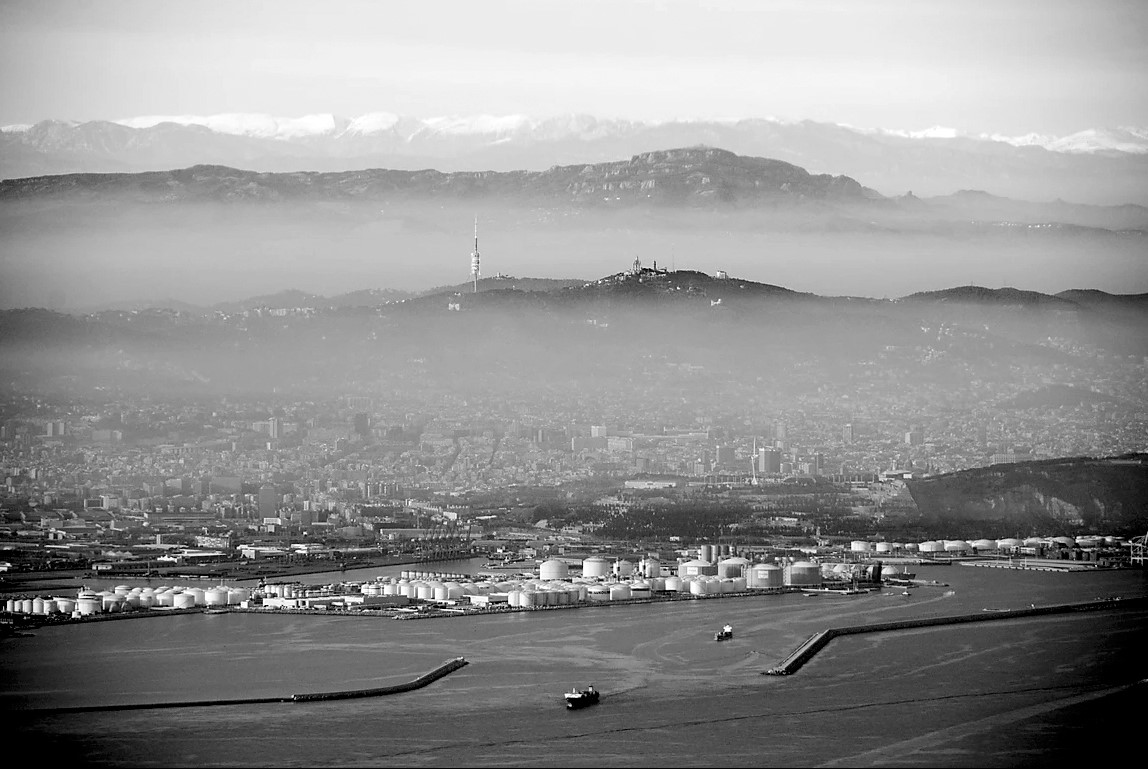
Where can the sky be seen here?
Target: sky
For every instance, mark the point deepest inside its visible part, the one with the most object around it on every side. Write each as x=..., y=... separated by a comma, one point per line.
x=1009, y=67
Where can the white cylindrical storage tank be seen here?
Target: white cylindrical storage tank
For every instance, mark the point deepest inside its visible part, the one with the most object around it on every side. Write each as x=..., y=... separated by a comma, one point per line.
x=697, y=587
x=147, y=600
x=216, y=596
x=51, y=606
x=122, y=589
x=553, y=569
x=957, y=546
x=10, y=606
x=623, y=568
x=37, y=605
x=238, y=595
x=860, y=546
x=598, y=593
x=697, y=568
x=932, y=547
x=650, y=568
x=673, y=584
x=66, y=605
x=640, y=590
x=198, y=594
x=185, y=601
x=732, y=567
x=619, y=592
x=888, y=571
x=982, y=545
x=424, y=592
x=884, y=547
x=911, y=547
x=706, y=553
x=726, y=585
x=134, y=600
x=803, y=574
x=765, y=576
x=528, y=599
x=88, y=606
x=595, y=566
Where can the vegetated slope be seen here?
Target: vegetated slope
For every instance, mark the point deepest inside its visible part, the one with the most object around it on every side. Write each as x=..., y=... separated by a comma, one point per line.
x=1065, y=495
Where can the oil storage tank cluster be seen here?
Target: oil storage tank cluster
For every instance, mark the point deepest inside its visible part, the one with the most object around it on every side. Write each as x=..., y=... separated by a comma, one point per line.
x=124, y=599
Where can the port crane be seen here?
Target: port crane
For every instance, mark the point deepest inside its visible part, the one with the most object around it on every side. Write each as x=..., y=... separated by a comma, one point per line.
x=1139, y=547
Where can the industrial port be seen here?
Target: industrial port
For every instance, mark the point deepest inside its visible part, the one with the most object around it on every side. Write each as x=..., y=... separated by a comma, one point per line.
x=526, y=584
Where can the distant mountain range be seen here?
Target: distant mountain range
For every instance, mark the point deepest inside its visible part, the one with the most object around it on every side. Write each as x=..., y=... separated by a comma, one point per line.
x=697, y=177
x=1103, y=166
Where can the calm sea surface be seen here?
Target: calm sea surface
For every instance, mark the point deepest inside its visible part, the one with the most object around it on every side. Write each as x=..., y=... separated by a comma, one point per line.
x=1024, y=692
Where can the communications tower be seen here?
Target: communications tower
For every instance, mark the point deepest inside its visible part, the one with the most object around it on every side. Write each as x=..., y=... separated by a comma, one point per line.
x=474, y=258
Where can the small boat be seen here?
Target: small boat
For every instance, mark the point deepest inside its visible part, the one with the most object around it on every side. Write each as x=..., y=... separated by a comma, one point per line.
x=724, y=634
x=580, y=699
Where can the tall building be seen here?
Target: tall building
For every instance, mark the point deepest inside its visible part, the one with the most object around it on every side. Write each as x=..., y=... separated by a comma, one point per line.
x=770, y=460
x=362, y=424
x=268, y=501
x=273, y=427
x=847, y=434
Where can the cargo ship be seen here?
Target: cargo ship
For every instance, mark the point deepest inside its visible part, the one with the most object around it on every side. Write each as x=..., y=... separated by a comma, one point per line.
x=580, y=699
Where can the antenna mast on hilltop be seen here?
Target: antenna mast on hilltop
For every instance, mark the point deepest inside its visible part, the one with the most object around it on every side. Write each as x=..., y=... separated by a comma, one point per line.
x=474, y=258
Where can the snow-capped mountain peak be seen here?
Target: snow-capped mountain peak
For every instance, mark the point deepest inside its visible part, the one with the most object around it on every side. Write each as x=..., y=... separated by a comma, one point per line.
x=248, y=124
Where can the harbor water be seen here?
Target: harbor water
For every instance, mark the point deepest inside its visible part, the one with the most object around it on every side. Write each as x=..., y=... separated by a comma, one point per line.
x=1006, y=693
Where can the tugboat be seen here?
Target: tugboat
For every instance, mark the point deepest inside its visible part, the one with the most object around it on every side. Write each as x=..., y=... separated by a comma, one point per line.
x=580, y=699
x=724, y=634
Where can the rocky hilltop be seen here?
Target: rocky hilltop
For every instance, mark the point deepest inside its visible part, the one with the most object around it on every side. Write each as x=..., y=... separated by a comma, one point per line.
x=1066, y=495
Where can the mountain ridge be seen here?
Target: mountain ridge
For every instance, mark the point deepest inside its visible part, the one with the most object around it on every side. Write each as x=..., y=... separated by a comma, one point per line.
x=698, y=176
x=676, y=280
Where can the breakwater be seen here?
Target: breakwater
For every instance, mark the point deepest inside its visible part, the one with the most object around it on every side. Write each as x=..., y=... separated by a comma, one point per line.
x=818, y=641
x=442, y=670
